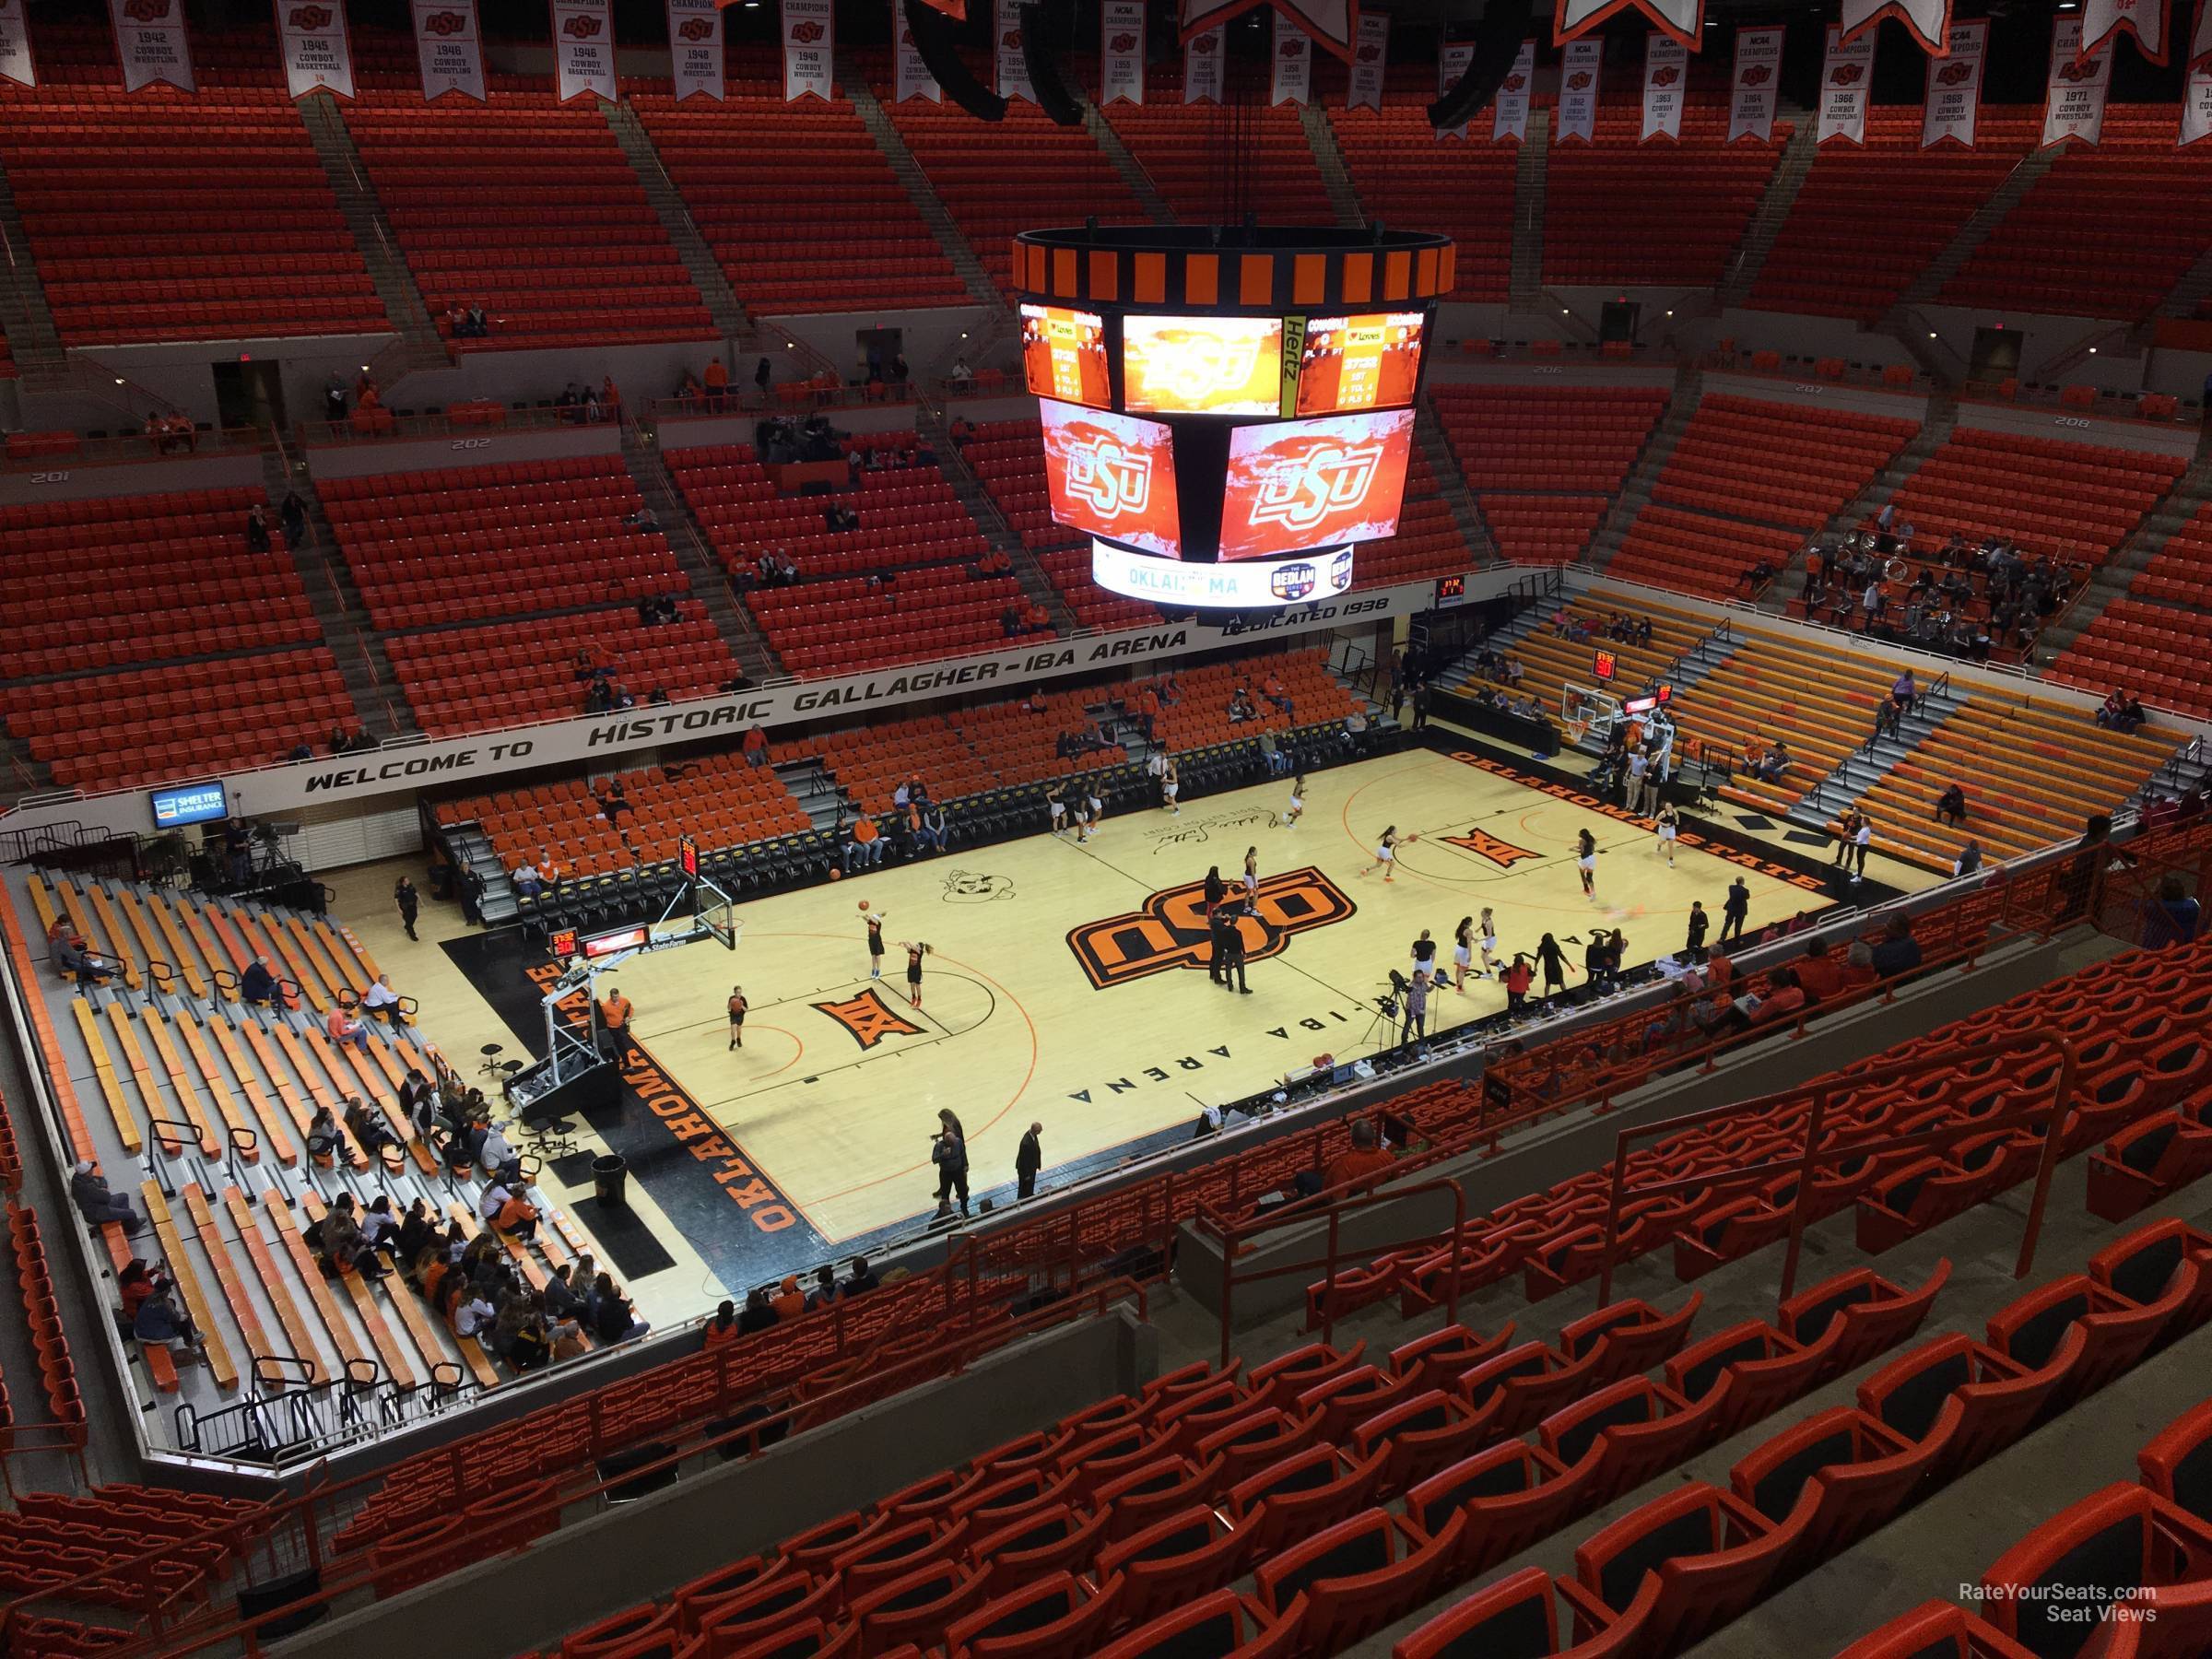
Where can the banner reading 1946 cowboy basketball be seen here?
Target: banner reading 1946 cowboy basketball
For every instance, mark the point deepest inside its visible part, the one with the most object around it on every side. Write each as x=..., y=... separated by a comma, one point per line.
x=449, y=47
x=583, y=49
x=2074, y=99
x=14, y=45
x=1758, y=76
x=1292, y=78
x=1371, y=58
x=809, y=49
x=1665, y=79
x=1844, y=74
x=1202, y=67
x=915, y=81
x=318, y=56
x=1582, y=67
x=1954, y=92
x=1510, y=111
x=150, y=39
x=1121, y=52
x=1013, y=68
x=1451, y=63
x=695, y=49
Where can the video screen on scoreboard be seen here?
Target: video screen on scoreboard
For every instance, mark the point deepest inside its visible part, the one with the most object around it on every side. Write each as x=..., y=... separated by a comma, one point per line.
x=1299, y=485
x=1113, y=476
x=1063, y=354
x=1365, y=362
x=1202, y=365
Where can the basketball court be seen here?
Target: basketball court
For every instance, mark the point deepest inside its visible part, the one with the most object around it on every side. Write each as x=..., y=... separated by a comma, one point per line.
x=1067, y=985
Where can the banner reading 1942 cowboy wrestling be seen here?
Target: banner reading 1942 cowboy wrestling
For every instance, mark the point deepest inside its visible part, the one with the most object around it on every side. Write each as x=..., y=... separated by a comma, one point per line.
x=1665, y=79
x=695, y=49
x=1582, y=67
x=809, y=49
x=150, y=39
x=583, y=49
x=1202, y=67
x=1451, y=63
x=318, y=56
x=14, y=45
x=1371, y=58
x=2074, y=99
x=1292, y=79
x=1121, y=52
x=915, y=81
x=1509, y=116
x=1953, y=98
x=1757, y=78
x=1844, y=74
x=449, y=48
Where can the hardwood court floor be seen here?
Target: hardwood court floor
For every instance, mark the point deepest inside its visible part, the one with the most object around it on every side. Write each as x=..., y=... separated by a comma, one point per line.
x=1067, y=985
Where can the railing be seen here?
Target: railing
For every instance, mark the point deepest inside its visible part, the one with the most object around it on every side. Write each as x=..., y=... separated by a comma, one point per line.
x=1801, y=371
x=441, y=424
x=301, y=1531
x=1813, y=1155
x=142, y=446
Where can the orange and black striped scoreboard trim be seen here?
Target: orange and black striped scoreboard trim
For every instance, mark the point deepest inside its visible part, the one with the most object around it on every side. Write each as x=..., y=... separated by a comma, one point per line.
x=1079, y=267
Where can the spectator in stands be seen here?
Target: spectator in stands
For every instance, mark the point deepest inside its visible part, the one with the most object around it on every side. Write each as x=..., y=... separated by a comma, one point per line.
x=380, y=1002
x=1819, y=974
x=860, y=1279
x=825, y=1289
x=325, y=1138
x=1899, y=951
x=342, y=1027
x=1240, y=707
x=369, y=1129
x=2172, y=917
x=1774, y=763
x=258, y=984
x=292, y=517
x=333, y=397
x=257, y=529
x=473, y=1314
x=1359, y=1166
x=763, y=371
x=721, y=1328
x=758, y=1314
x=66, y=951
x=416, y=1232
x=95, y=1202
x=961, y=375
x=508, y=1210
x=1784, y=997
x=524, y=876
x=864, y=850
x=614, y=1320
x=1969, y=859
x=1950, y=807
x=159, y=1320
x=1905, y=693
x=717, y=383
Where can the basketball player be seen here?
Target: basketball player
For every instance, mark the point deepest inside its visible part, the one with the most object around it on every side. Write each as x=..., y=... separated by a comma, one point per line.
x=875, y=920
x=1668, y=827
x=915, y=953
x=1585, y=861
x=1252, y=872
x=1097, y=804
x=1170, y=786
x=1462, y=953
x=1424, y=954
x=1296, y=809
x=1081, y=811
x=1386, y=854
x=737, y=1007
x=1055, y=800
x=1487, y=932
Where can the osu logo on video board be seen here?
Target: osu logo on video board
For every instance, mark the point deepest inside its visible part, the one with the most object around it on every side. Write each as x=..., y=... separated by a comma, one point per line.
x=1171, y=930
x=1108, y=477
x=1299, y=491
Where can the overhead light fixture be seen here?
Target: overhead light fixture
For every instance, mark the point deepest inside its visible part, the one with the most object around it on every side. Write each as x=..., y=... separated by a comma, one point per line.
x=1931, y=334
x=2092, y=351
x=1564, y=311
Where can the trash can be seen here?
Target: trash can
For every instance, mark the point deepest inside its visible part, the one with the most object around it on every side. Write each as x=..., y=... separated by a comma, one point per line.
x=610, y=1181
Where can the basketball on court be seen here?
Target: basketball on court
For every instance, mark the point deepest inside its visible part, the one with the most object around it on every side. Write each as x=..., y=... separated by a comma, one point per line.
x=836, y=874
x=863, y=904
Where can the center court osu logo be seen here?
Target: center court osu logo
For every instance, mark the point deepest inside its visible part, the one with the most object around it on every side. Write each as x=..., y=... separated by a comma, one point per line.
x=580, y=27
x=1301, y=491
x=1108, y=477
x=445, y=23
x=1171, y=930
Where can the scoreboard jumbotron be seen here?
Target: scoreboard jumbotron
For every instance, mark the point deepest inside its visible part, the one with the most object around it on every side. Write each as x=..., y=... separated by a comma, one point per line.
x=1227, y=414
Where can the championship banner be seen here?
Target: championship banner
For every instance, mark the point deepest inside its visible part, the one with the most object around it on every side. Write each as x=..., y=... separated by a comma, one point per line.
x=318, y=56
x=1582, y=67
x=1371, y=56
x=1121, y=52
x=151, y=41
x=2104, y=21
x=1954, y=91
x=1665, y=79
x=1451, y=63
x=954, y=9
x=2197, y=107
x=1682, y=21
x=1013, y=69
x=449, y=48
x=2200, y=36
x=2074, y=97
x=1927, y=21
x=1758, y=75
x=695, y=49
x=14, y=45
x=1202, y=68
x=1292, y=80
x=583, y=49
x=1844, y=75
x=809, y=50
x=1328, y=23
x=1509, y=118
x=915, y=82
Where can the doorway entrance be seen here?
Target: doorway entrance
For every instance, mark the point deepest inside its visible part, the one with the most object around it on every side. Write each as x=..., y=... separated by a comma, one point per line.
x=250, y=394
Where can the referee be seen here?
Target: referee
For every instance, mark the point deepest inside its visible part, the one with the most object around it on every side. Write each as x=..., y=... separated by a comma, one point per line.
x=1229, y=933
